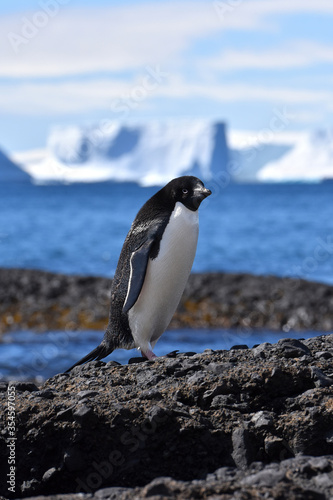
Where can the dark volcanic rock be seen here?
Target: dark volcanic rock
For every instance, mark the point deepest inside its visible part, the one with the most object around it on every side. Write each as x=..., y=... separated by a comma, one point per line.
x=44, y=301
x=301, y=478
x=212, y=425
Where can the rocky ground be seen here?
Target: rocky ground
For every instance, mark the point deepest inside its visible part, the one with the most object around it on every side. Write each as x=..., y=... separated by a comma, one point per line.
x=240, y=424
x=42, y=301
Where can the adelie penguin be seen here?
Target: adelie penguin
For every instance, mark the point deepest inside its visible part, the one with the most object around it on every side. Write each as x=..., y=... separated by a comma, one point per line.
x=153, y=268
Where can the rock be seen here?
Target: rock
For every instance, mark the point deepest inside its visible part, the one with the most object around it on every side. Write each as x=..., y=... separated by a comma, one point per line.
x=114, y=493
x=83, y=414
x=293, y=479
x=66, y=414
x=276, y=448
x=47, y=394
x=49, y=474
x=73, y=459
x=268, y=477
x=209, y=425
x=86, y=394
x=25, y=386
x=243, y=447
x=261, y=349
x=324, y=354
x=321, y=380
x=158, y=487
x=46, y=301
x=262, y=419
x=292, y=348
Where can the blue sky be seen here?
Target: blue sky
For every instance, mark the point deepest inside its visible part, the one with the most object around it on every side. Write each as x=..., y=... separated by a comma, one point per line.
x=240, y=61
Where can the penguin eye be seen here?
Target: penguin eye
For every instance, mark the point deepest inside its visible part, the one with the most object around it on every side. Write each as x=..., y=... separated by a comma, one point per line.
x=184, y=191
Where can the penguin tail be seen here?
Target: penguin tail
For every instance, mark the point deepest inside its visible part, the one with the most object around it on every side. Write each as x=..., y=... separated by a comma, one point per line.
x=96, y=354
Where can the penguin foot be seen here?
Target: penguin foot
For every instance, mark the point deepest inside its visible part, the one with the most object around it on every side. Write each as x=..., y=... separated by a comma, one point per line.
x=148, y=354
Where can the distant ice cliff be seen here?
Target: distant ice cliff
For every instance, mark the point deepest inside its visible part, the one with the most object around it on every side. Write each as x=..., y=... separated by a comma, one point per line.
x=154, y=153
x=310, y=160
x=150, y=154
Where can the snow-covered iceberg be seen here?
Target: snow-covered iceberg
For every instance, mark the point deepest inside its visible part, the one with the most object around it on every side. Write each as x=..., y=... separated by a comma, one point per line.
x=251, y=151
x=310, y=160
x=149, y=154
x=155, y=152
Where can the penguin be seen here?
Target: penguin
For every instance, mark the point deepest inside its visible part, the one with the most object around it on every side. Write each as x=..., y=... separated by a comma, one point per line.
x=153, y=269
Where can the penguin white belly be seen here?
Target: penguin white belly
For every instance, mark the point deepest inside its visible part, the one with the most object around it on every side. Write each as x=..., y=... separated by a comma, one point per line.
x=165, y=279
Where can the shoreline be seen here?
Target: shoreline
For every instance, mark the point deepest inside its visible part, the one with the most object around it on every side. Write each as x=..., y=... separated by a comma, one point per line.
x=245, y=423
x=42, y=301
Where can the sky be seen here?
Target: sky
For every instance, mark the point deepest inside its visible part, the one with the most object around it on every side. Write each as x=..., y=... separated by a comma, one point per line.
x=254, y=64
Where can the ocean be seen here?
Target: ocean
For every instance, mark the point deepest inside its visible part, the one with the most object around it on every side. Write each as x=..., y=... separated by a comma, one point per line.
x=279, y=229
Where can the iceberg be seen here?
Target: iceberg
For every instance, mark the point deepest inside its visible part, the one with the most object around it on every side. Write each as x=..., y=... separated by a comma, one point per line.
x=250, y=151
x=148, y=154
x=310, y=160
x=153, y=153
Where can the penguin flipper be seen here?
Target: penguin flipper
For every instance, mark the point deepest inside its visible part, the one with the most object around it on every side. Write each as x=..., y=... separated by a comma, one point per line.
x=138, y=263
x=96, y=354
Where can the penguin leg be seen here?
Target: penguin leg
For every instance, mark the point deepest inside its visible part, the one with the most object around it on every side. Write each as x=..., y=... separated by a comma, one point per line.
x=148, y=353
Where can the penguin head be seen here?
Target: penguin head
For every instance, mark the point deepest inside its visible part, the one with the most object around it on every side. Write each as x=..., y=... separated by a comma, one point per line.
x=188, y=190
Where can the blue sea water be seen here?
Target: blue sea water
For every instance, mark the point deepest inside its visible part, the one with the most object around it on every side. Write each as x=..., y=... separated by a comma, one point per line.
x=280, y=229
x=27, y=355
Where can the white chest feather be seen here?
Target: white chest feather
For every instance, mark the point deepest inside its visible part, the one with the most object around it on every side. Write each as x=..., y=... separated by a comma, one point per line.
x=166, y=277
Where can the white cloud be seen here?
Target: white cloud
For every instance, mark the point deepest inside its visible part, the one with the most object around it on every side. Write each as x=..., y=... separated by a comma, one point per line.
x=86, y=40
x=264, y=7
x=61, y=98
x=309, y=116
x=116, y=97
x=296, y=54
x=177, y=87
x=126, y=39
x=78, y=41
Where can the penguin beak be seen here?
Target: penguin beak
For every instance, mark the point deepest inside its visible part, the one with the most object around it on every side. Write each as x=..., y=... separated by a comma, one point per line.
x=201, y=193
x=206, y=192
